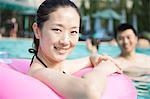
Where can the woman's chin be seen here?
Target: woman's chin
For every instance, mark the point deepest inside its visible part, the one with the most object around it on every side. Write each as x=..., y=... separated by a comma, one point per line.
x=60, y=58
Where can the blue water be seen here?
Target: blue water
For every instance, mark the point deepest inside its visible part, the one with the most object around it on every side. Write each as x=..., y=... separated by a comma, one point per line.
x=15, y=48
x=111, y=50
x=18, y=48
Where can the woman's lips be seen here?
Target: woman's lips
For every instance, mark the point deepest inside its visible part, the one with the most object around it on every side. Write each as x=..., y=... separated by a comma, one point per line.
x=61, y=50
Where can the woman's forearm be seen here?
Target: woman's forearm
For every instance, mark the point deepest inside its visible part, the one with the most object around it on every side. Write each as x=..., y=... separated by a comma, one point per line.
x=97, y=79
x=79, y=64
x=89, y=86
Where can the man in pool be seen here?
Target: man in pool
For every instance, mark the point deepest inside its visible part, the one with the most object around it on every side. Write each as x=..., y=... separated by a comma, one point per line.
x=135, y=65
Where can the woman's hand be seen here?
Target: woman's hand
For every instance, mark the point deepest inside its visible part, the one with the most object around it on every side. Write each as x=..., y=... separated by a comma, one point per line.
x=96, y=59
x=105, y=63
x=107, y=67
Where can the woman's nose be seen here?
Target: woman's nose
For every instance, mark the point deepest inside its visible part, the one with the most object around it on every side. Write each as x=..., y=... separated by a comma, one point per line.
x=65, y=39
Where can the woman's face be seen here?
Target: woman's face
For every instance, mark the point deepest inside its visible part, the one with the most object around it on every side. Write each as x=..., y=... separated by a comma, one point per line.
x=59, y=34
x=127, y=41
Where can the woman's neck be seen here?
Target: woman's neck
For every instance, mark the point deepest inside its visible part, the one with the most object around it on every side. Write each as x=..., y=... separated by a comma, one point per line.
x=50, y=63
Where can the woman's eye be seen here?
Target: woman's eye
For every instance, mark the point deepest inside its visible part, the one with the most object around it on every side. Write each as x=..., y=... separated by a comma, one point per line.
x=74, y=32
x=57, y=30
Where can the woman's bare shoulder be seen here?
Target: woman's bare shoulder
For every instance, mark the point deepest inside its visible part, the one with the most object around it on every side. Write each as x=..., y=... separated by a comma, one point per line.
x=34, y=67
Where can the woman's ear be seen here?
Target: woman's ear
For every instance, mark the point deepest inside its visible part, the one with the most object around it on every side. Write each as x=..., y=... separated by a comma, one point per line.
x=36, y=30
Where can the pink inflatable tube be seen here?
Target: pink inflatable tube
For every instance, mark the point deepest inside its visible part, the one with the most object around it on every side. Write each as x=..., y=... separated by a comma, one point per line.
x=15, y=84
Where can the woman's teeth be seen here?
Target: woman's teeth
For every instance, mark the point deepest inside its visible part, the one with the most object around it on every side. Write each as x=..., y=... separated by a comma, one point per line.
x=60, y=50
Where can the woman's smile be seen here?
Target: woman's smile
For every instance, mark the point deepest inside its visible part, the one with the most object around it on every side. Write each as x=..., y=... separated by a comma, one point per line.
x=61, y=50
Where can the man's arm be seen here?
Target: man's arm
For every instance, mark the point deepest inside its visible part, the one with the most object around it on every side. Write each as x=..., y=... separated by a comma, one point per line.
x=136, y=71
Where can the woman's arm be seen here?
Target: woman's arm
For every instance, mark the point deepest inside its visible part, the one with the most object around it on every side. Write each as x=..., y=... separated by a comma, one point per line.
x=90, y=86
x=92, y=60
x=78, y=64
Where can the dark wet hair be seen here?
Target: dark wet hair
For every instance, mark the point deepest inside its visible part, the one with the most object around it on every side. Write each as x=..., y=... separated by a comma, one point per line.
x=95, y=42
x=47, y=7
x=123, y=27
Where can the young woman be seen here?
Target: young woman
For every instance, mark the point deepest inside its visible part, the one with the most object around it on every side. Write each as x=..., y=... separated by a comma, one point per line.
x=56, y=34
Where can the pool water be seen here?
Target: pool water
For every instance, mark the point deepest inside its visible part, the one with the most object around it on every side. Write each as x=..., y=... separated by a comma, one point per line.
x=111, y=50
x=15, y=48
x=18, y=48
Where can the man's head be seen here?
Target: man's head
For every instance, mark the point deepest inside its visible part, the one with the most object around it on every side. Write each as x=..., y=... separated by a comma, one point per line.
x=126, y=38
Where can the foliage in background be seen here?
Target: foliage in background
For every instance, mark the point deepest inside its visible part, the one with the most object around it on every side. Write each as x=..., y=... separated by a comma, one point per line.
x=141, y=8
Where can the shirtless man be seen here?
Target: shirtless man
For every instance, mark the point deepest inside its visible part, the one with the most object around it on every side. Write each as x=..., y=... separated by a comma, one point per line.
x=135, y=65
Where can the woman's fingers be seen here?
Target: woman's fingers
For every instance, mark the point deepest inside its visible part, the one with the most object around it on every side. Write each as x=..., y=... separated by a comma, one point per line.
x=106, y=57
x=108, y=67
x=97, y=59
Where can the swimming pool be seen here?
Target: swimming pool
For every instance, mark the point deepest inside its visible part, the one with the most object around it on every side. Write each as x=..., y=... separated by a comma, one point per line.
x=18, y=48
x=112, y=50
x=15, y=48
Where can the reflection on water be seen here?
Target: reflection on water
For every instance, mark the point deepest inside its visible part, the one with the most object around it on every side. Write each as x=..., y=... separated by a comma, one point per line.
x=15, y=48
x=143, y=87
x=3, y=54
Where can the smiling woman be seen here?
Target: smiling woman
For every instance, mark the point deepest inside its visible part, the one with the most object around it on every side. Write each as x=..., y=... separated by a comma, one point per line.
x=56, y=33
